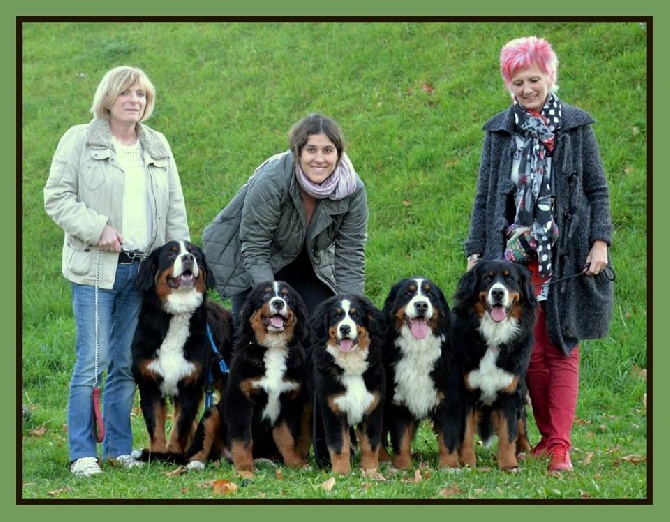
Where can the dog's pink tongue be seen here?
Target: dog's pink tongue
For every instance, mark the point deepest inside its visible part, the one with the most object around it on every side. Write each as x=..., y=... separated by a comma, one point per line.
x=419, y=328
x=498, y=313
x=346, y=345
x=277, y=321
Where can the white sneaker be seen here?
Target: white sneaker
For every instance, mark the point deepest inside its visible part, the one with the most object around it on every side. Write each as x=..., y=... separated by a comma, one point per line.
x=126, y=461
x=85, y=467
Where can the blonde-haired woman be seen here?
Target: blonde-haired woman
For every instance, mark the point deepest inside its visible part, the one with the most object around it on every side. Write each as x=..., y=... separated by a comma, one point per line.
x=115, y=191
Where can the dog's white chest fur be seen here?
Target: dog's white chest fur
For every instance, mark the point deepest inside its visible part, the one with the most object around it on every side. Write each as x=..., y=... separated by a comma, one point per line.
x=414, y=387
x=356, y=398
x=498, y=333
x=273, y=382
x=489, y=378
x=170, y=363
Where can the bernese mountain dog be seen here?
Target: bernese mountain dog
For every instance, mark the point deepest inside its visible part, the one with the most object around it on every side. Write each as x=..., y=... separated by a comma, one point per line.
x=422, y=376
x=346, y=379
x=180, y=339
x=494, y=312
x=264, y=404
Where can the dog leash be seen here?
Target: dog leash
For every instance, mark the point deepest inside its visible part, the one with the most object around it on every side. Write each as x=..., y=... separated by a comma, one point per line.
x=609, y=273
x=98, y=424
x=209, y=388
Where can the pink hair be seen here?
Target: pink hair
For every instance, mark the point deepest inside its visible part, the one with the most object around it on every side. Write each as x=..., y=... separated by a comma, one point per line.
x=525, y=52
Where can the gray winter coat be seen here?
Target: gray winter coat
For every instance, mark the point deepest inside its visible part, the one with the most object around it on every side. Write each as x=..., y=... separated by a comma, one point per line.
x=264, y=227
x=578, y=307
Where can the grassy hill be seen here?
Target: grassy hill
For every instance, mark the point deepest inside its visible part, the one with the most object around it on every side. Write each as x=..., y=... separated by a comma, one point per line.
x=411, y=98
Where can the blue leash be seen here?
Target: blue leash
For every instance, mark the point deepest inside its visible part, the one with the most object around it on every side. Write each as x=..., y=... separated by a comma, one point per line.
x=209, y=389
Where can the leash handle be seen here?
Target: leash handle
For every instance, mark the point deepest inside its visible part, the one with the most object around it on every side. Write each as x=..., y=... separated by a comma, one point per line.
x=98, y=424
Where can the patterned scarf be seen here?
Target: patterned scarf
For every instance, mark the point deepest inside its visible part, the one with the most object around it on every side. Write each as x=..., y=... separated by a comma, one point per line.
x=340, y=184
x=534, y=207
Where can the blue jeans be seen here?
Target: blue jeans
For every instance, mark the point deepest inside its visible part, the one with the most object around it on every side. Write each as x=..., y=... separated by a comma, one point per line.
x=118, y=311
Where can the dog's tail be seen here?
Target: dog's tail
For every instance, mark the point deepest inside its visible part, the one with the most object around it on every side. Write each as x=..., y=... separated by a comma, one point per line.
x=485, y=429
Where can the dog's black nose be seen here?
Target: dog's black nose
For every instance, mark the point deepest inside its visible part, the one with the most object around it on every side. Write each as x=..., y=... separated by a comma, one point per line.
x=345, y=329
x=421, y=307
x=497, y=294
x=277, y=304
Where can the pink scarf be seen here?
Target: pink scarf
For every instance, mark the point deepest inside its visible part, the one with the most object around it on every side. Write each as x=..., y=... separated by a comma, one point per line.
x=340, y=184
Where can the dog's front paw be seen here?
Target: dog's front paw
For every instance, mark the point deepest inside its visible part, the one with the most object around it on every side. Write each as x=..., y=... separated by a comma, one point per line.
x=195, y=465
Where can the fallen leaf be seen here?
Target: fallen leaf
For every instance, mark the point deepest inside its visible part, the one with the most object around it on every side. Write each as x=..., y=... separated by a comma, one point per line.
x=56, y=492
x=224, y=487
x=328, y=484
x=449, y=492
x=634, y=459
x=176, y=472
x=644, y=400
x=38, y=432
x=372, y=473
x=246, y=474
x=427, y=88
x=587, y=458
x=279, y=475
x=406, y=203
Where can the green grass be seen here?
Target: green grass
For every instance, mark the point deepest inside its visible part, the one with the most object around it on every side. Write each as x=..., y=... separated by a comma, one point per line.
x=227, y=95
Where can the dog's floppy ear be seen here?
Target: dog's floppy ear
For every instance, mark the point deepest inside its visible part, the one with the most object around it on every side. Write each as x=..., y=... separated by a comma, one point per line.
x=210, y=281
x=442, y=298
x=376, y=320
x=526, y=286
x=299, y=308
x=467, y=286
x=318, y=323
x=147, y=271
x=390, y=299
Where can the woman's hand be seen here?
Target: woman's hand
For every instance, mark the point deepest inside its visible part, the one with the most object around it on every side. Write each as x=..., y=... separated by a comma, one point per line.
x=473, y=259
x=110, y=239
x=597, y=258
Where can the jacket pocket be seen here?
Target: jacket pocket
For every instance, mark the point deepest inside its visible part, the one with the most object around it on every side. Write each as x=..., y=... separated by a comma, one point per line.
x=78, y=256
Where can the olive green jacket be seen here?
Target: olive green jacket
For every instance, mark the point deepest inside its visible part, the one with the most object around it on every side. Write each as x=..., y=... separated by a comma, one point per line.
x=264, y=227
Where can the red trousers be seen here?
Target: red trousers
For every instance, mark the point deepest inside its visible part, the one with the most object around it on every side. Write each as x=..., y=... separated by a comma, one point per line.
x=553, y=384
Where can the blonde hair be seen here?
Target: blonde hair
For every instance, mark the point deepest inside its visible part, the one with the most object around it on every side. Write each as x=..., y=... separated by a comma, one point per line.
x=114, y=83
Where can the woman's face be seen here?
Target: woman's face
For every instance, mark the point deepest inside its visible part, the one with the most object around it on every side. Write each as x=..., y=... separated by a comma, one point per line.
x=318, y=158
x=129, y=105
x=531, y=88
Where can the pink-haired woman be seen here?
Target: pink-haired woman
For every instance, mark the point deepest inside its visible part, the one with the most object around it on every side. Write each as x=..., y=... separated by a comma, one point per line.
x=542, y=199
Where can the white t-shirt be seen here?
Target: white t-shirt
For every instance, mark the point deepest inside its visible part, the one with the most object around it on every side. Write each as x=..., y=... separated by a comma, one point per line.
x=136, y=208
